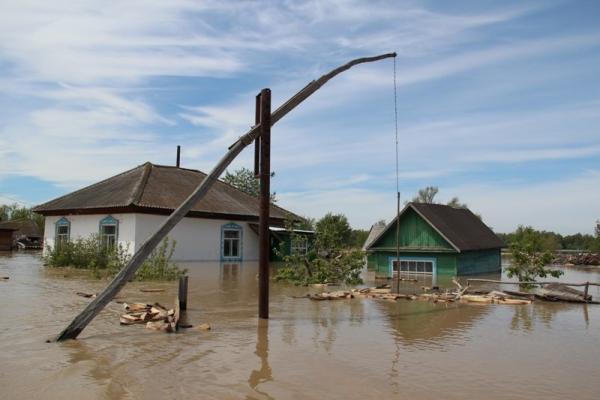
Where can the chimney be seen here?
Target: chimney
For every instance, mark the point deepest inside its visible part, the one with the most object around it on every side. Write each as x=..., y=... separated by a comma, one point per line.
x=178, y=156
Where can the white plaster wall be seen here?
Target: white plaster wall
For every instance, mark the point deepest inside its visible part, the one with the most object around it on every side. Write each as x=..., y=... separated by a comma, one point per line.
x=197, y=239
x=82, y=226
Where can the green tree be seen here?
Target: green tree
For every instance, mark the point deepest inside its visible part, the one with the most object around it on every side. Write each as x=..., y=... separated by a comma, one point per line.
x=333, y=232
x=530, y=256
x=245, y=180
x=597, y=229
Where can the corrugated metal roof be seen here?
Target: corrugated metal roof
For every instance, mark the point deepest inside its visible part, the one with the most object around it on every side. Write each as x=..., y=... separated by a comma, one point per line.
x=459, y=226
x=162, y=188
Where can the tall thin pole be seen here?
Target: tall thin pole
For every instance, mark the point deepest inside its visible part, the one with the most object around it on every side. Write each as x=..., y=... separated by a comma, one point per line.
x=265, y=201
x=178, y=162
x=397, y=183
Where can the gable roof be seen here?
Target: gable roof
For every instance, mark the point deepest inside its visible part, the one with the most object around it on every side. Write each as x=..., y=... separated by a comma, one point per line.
x=159, y=189
x=374, y=233
x=458, y=226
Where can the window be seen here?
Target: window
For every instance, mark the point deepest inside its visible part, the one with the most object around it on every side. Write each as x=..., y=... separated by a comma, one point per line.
x=231, y=242
x=109, y=231
x=299, y=245
x=63, y=231
x=413, y=267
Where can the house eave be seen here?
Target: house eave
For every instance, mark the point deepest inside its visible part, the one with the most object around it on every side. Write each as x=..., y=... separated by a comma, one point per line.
x=155, y=211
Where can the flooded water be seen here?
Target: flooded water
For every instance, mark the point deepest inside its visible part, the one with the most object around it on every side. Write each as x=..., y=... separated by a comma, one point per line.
x=359, y=348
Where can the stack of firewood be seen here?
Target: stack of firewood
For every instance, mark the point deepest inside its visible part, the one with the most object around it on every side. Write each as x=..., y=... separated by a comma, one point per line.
x=155, y=316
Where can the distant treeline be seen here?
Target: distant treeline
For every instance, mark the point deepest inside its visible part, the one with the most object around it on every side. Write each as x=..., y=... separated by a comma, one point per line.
x=552, y=241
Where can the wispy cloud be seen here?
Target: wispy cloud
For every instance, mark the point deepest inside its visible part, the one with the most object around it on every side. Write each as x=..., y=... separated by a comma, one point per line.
x=93, y=89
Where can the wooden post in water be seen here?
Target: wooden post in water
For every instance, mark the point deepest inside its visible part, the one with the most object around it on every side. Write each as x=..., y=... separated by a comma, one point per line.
x=183, y=291
x=95, y=306
x=265, y=203
x=585, y=292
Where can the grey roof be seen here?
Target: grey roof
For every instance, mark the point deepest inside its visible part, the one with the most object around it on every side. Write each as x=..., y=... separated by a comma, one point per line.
x=459, y=226
x=159, y=188
x=374, y=233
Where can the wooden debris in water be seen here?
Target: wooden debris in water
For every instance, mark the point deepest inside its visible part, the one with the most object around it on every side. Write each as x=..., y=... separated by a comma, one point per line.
x=151, y=290
x=338, y=295
x=561, y=292
x=5, y=278
x=155, y=316
x=86, y=295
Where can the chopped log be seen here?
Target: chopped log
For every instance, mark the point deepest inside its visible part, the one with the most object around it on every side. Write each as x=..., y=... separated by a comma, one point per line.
x=137, y=307
x=176, y=314
x=204, y=327
x=157, y=326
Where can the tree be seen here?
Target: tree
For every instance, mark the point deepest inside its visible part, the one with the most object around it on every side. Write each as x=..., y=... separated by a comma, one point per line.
x=597, y=229
x=333, y=232
x=530, y=256
x=455, y=202
x=330, y=260
x=426, y=195
x=244, y=180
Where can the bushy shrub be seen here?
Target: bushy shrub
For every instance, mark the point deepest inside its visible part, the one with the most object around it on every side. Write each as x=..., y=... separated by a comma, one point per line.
x=106, y=261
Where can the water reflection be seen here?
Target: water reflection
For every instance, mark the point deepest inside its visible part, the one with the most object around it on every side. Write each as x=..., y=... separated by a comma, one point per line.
x=424, y=324
x=264, y=373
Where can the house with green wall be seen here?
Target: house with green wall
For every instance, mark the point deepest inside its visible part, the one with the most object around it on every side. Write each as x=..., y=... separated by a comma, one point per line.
x=433, y=239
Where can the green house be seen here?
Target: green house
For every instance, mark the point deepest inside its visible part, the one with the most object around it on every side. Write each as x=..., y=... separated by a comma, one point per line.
x=434, y=239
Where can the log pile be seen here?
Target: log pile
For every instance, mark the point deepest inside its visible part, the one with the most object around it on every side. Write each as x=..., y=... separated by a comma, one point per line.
x=154, y=316
x=577, y=259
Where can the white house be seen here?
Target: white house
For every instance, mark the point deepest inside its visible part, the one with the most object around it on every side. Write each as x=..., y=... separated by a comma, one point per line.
x=127, y=208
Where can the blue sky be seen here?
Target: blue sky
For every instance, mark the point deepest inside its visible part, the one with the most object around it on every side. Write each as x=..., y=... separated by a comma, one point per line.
x=498, y=101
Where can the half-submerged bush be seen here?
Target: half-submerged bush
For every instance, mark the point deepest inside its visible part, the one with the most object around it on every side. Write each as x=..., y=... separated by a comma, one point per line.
x=321, y=265
x=106, y=261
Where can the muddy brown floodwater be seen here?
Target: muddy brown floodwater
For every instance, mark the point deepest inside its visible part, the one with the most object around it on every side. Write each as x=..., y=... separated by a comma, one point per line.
x=349, y=349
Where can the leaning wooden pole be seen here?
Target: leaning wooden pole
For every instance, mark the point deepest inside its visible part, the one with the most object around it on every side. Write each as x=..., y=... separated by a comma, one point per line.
x=265, y=203
x=95, y=306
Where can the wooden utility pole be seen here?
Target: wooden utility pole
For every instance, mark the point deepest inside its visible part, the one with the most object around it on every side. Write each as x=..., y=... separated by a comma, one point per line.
x=126, y=274
x=265, y=202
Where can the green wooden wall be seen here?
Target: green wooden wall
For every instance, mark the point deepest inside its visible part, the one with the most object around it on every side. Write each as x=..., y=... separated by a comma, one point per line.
x=379, y=261
x=415, y=233
x=479, y=262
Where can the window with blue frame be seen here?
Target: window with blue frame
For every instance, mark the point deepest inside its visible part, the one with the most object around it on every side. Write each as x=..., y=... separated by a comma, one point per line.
x=231, y=242
x=109, y=231
x=63, y=231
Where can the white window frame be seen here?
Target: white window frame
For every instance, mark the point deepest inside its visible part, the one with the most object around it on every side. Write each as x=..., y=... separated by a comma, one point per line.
x=105, y=238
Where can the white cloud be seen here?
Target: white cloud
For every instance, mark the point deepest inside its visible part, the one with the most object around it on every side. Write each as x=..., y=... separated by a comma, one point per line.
x=562, y=205
x=567, y=206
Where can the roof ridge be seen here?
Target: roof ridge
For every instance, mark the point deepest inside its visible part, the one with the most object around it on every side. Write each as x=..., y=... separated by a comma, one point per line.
x=138, y=191
x=176, y=167
x=89, y=186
